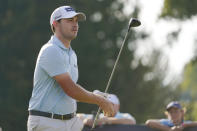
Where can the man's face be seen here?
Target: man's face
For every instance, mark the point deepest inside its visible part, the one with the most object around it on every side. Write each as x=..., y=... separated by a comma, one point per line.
x=68, y=28
x=175, y=115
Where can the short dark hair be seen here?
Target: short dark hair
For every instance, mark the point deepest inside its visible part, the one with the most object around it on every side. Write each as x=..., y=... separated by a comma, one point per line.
x=53, y=28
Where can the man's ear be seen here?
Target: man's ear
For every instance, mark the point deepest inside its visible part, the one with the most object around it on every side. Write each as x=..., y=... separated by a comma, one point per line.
x=166, y=113
x=54, y=23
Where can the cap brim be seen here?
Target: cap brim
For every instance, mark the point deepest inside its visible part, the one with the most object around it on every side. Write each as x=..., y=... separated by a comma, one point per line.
x=172, y=107
x=81, y=16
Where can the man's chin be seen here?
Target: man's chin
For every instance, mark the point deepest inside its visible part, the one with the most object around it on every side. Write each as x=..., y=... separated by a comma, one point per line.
x=73, y=37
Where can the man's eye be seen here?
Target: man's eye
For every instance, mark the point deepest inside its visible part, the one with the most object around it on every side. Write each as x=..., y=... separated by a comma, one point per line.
x=70, y=19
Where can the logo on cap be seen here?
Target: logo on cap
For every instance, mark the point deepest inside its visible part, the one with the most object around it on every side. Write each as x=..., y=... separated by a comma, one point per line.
x=69, y=9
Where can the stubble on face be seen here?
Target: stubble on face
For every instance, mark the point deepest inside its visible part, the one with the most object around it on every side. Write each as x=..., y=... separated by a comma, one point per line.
x=68, y=29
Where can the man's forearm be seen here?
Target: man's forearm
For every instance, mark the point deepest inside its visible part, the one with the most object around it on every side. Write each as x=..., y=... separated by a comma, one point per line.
x=82, y=95
x=76, y=91
x=155, y=124
x=192, y=124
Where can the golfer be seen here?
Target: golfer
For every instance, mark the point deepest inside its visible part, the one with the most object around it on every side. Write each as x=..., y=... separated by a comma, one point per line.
x=52, y=106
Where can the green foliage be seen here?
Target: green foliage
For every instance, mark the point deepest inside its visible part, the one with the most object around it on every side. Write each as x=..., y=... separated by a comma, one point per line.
x=180, y=9
x=184, y=9
x=189, y=83
x=191, y=110
x=25, y=28
x=189, y=91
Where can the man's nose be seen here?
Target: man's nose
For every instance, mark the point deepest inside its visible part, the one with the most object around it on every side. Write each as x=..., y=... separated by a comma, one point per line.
x=75, y=23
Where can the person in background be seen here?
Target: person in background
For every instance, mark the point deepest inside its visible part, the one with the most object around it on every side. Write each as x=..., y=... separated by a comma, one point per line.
x=175, y=119
x=119, y=118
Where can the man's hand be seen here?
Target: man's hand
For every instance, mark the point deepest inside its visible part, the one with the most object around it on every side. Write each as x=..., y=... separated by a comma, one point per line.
x=177, y=128
x=107, y=107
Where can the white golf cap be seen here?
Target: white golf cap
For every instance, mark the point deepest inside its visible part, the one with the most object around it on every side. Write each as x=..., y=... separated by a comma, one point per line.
x=113, y=98
x=66, y=12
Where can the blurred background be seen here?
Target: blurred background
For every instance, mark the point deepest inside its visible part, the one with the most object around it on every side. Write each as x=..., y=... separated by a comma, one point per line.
x=157, y=65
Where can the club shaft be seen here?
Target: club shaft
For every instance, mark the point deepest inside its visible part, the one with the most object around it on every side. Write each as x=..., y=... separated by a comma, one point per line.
x=116, y=63
x=110, y=78
x=96, y=118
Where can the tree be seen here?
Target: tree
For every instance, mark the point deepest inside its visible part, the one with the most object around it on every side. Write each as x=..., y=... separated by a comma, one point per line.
x=25, y=28
x=189, y=91
x=181, y=9
x=185, y=10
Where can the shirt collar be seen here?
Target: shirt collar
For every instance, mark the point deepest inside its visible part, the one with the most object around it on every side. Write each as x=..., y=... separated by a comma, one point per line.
x=56, y=41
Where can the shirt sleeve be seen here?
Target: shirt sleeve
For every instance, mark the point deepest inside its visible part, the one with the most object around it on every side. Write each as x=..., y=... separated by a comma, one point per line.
x=51, y=61
x=166, y=122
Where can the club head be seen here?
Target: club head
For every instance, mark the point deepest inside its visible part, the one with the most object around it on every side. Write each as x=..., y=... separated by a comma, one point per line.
x=134, y=23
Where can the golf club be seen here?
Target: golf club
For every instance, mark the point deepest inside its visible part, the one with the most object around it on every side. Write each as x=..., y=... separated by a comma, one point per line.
x=132, y=23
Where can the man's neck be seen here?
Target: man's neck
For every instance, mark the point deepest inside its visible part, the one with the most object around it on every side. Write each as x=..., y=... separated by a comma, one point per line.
x=64, y=41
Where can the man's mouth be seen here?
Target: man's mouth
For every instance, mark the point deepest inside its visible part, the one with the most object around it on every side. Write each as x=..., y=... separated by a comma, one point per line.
x=75, y=30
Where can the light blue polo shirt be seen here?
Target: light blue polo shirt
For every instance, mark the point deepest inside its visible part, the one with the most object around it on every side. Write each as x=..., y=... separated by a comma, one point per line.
x=53, y=59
